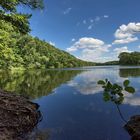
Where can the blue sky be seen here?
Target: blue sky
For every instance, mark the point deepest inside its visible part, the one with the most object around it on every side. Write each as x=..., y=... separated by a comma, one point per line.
x=93, y=30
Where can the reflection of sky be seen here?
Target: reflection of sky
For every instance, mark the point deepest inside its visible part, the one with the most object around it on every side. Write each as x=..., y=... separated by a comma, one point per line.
x=86, y=83
x=77, y=112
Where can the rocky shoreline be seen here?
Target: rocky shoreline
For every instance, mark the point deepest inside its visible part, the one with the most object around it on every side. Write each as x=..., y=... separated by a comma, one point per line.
x=18, y=116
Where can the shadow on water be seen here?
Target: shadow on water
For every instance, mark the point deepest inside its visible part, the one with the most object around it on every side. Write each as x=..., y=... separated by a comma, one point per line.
x=34, y=84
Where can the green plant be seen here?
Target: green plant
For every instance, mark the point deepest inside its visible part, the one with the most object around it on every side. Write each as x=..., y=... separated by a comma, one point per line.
x=115, y=92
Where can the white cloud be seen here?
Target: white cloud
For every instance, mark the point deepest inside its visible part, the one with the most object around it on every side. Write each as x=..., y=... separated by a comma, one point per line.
x=52, y=43
x=67, y=11
x=120, y=50
x=126, y=33
x=87, y=43
x=96, y=20
x=73, y=39
x=91, y=49
x=90, y=22
x=95, y=55
x=106, y=16
x=90, y=27
x=125, y=40
x=139, y=46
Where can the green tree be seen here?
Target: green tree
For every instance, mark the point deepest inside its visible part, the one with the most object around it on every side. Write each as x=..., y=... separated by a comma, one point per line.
x=132, y=58
x=20, y=22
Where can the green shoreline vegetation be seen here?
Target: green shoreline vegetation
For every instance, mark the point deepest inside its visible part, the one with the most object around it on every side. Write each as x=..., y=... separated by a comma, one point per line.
x=18, y=51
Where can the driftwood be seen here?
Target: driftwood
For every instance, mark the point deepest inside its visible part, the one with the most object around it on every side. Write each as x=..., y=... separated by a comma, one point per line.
x=18, y=116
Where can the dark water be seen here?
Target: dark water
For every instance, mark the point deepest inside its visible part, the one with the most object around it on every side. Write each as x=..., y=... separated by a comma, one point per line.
x=71, y=101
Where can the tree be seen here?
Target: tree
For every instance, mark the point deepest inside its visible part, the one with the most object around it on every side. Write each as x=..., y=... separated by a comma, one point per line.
x=129, y=58
x=20, y=22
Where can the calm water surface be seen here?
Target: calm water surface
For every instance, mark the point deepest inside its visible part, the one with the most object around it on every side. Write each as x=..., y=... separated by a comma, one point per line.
x=71, y=101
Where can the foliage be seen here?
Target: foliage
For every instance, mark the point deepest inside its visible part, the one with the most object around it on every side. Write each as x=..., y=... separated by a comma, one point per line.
x=115, y=92
x=25, y=51
x=109, y=63
x=19, y=21
x=132, y=58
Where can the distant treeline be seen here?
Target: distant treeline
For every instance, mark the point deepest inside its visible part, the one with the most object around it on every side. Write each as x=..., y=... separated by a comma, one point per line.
x=125, y=58
x=132, y=58
x=108, y=63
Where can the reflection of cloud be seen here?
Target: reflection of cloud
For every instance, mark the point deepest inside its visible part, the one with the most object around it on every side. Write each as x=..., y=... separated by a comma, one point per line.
x=131, y=99
x=134, y=101
x=86, y=82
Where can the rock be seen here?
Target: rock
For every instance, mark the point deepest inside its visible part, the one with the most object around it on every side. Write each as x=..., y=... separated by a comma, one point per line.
x=133, y=127
x=18, y=116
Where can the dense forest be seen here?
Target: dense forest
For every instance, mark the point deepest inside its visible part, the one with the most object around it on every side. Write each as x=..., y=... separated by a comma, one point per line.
x=132, y=58
x=18, y=49
x=25, y=51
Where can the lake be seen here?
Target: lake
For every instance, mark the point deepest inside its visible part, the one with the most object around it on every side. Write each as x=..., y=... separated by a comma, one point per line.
x=71, y=102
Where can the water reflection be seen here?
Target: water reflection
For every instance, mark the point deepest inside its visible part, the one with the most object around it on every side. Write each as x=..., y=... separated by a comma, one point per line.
x=135, y=72
x=86, y=82
x=76, y=111
x=34, y=84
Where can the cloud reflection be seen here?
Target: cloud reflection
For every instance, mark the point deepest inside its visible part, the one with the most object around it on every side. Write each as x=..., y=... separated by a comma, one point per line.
x=86, y=83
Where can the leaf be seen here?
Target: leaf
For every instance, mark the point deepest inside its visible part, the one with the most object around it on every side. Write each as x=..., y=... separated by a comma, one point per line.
x=106, y=96
x=120, y=94
x=126, y=83
x=101, y=82
x=130, y=89
x=109, y=85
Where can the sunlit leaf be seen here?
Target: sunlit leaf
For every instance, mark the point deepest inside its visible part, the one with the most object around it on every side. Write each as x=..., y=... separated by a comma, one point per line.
x=126, y=83
x=130, y=89
x=106, y=96
x=101, y=82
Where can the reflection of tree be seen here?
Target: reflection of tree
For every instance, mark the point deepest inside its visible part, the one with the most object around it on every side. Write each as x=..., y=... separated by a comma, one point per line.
x=135, y=72
x=34, y=83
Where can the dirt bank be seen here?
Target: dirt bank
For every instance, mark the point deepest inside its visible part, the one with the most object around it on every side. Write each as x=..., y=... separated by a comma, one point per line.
x=18, y=116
